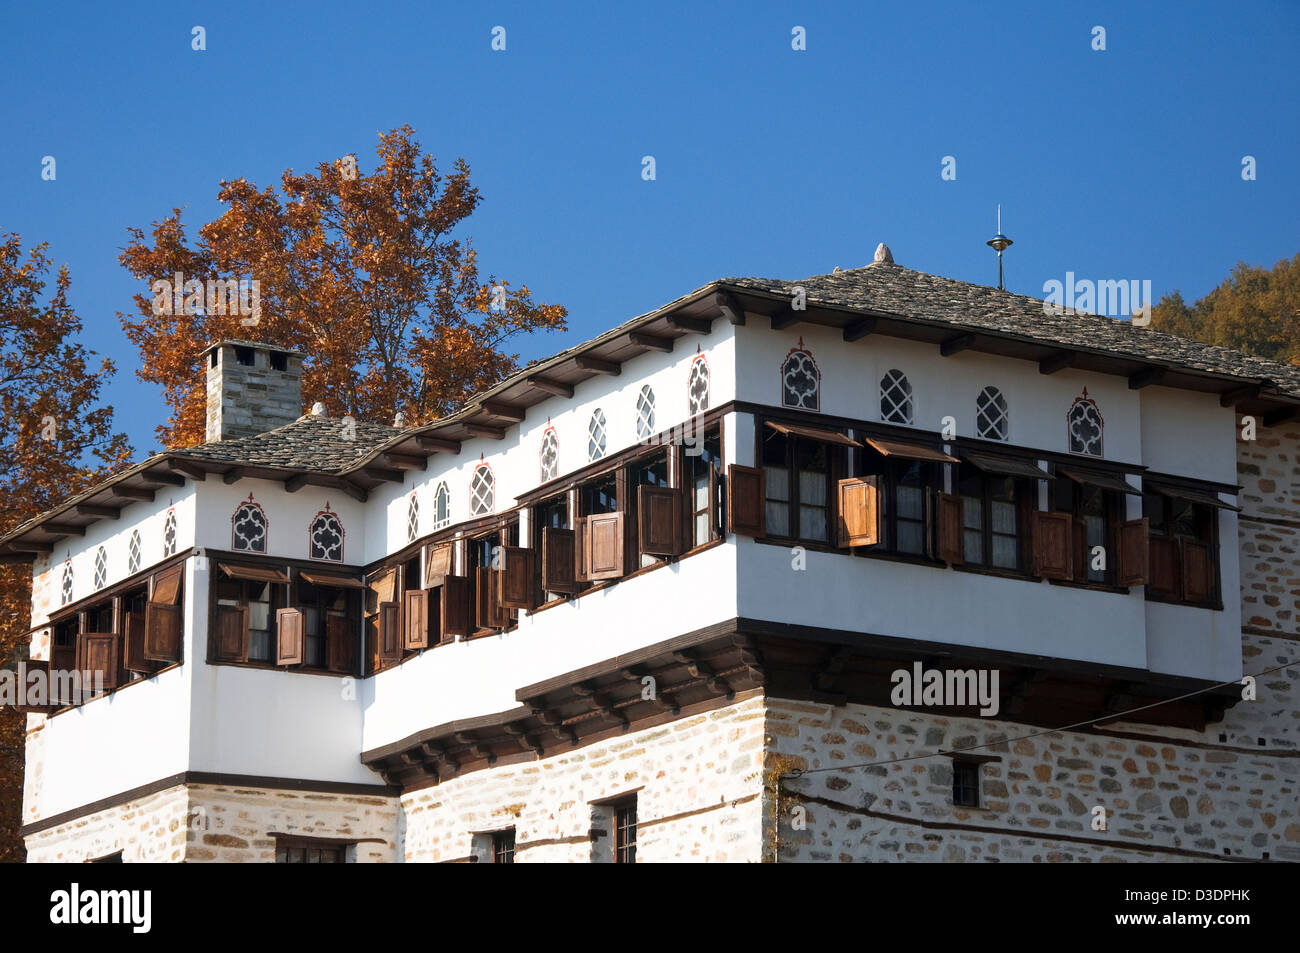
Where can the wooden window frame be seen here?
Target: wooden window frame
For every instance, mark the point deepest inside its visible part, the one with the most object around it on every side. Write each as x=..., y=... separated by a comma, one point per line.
x=1157, y=531
x=503, y=846
x=835, y=471
x=1026, y=505
x=1114, y=510
x=624, y=816
x=971, y=770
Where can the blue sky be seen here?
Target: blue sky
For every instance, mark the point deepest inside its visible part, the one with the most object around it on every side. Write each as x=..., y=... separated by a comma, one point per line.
x=1117, y=164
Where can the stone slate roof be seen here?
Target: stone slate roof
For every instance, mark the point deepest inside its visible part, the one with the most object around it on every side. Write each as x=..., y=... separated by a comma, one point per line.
x=310, y=443
x=887, y=288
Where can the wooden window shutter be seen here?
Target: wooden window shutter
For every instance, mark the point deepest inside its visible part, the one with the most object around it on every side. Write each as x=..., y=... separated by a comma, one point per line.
x=167, y=586
x=289, y=647
x=951, y=549
x=99, y=657
x=417, y=619
x=558, y=560
x=437, y=565
x=1053, y=545
x=659, y=521
x=457, y=607
x=1198, y=571
x=384, y=587
x=605, y=546
x=1163, y=570
x=1082, y=553
x=502, y=616
x=33, y=665
x=163, y=627
x=390, y=632
x=746, y=501
x=232, y=633
x=516, y=578
x=715, y=503
x=338, y=643
x=860, y=511
x=133, y=637
x=581, y=569
x=1132, y=569
x=63, y=658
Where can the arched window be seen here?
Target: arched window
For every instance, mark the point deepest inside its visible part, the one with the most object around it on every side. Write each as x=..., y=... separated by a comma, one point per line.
x=248, y=528
x=133, y=552
x=1084, y=426
x=801, y=379
x=482, y=490
x=441, y=506
x=645, y=413
x=413, y=517
x=550, y=455
x=697, y=387
x=325, y=537
x=101, y=567
x=65, y=588
x=991, y=419
x=596, y=435
x=169, y=533
x=895, y=397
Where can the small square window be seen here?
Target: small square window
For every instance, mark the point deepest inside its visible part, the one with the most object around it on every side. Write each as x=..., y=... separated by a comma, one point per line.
x=965, y=784
x=279, y=361
x=244, y=355
x=503, y=847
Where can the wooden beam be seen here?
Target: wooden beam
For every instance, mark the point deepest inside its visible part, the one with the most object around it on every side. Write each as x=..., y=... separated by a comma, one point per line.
x=680, y=322
x=295, y=483
x=483, y=430
x=233, y=475
x=1234, y=397
x=1146, y=377
x=1057, y=362
x=162, y=479
x=956, y=344
x=30, y=546
x=652, y=341
x=786, y=317
x=358, y=493
x=383, y=473
x=729, y=307
x=441, y=444
x=508, y=411
x=8, y=559
x=105, y=512
x=195, y=471
x=859, y=329
x=133, y=493
x=64, y=529
x=406, y=461
x=597, y=365
x=1283, y=416
x=557, y=388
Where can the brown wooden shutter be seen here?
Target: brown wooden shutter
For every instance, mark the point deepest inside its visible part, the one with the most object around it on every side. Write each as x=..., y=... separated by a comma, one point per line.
x=133, y=637
x=383, y=588
x=1082, y=553
x=746, y=501
x=1053, y=545
x=289, y=642
x=558, y=560
x=1198, y=571
x=951, y=549
x=860, y=510
x=163, y=629
x=63, y=658
x=33, y=665
x=659, y=521
x=1163, y=567
x=437, y=565
x=484, y=598
x=338, y=643
x=502, y=616
x=99, y=657
x=605, y=546
x=457, y=607
x=516, y=578
x=167, y=586
x=390, y=632
x=715, y=505
x=417, y=619
x=231, y=643
x=1132, y=569
x=581, y=568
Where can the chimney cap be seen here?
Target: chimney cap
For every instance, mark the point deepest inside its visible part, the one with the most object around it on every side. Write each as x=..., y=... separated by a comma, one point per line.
x=883, y=255
x=258, y=345
x=399, y=420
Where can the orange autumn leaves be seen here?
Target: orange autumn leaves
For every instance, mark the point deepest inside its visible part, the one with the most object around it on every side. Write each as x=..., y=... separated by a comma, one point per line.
x=362, y=272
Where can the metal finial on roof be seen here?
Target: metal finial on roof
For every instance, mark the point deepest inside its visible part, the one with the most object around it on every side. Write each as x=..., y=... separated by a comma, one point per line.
x=884, y=255
x=999, y=243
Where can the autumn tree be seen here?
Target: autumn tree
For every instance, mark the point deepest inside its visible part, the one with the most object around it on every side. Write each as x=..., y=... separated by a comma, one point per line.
x=1255, y=310
x=55, y=438
x=364, y=273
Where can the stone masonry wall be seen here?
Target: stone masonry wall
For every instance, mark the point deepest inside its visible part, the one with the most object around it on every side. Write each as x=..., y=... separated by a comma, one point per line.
x=696, y=782
x=1268, y=468
x=150, y=829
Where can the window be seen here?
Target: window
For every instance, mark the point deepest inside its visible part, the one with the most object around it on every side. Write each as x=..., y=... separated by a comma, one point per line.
x=169, y=533
x=133, y=553
x=441, y=506
x=503, y=847
x=101, y=567
x=800, y=474
x=325, y=539
x=552, y=514
x=1085, y=426
x=1097, y=511
x=703, y=467
x=800, y=379
x=279, y=361
x=550, y=455
x=246, y=602
x=1183, y=545
x=906, y=489
x=645, y=413
x=697, y=386
x=482, y=490
x=248, y=528
x=329, y=611
x=895, y=398
x=625, y=832
x=310, y=850
x=65, y=587
x=991, y=421
x=596, y=435
x=994, y=508
x=966, y=784
x=244, y=355
x=412, y=517
x=650, y=470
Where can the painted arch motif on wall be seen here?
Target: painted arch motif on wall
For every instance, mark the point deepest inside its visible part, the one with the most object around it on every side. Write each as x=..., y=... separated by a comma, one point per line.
x=249, y=527
x=801, y=379
x=325, y=536
x=65, y=586
x=169, y=532
x=1085, y=426
x=549, y=455
x=697, y=385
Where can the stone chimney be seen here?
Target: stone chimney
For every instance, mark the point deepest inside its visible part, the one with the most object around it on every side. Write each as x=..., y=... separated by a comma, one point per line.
x=252, y=388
